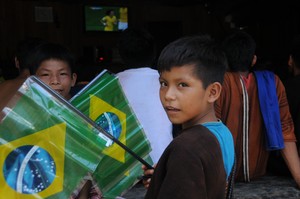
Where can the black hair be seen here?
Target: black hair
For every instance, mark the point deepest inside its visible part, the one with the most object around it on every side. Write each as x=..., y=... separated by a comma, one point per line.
x=201, y=51
x=49, y=51
x=295, y=50
x=137, y=48
x=25, y=48
x=240, y=48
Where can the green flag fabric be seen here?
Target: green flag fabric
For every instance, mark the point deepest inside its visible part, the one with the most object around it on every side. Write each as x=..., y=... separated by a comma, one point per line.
x=46, y=146
x=104, y=102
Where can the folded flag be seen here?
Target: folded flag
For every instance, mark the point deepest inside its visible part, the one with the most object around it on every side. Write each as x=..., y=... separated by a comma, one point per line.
x=104, y=102
x=46, y=146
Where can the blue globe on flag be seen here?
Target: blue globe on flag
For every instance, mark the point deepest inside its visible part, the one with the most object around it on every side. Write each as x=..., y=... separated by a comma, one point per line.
x=110, y=122
x=29, y=169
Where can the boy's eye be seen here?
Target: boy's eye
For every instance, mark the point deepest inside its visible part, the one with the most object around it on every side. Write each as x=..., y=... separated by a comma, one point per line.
x=182, y=84
x=163, y=84
x=44, y=74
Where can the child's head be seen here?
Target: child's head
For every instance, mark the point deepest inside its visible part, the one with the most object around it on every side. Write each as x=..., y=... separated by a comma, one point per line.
x=201, y=51
x=240, y=51
x=53, y=64
x=191, y=73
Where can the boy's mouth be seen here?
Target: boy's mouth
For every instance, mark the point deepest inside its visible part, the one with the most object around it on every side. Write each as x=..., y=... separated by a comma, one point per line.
x=171, y=109
x=58, y=90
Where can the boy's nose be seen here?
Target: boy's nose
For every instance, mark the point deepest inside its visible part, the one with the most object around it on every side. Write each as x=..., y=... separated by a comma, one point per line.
x=54, y=80
x=169, y=94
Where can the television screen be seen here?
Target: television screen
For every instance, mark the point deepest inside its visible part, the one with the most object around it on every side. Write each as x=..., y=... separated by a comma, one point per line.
x=105, y=18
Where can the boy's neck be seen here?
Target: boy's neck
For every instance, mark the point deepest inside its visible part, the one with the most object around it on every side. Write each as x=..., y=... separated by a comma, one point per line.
x=209, y=116
x=244, y=73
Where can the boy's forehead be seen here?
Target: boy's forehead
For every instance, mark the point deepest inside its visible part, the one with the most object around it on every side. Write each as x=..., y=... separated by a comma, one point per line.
x=180, y=71
x=62, y=64
x=175, y=68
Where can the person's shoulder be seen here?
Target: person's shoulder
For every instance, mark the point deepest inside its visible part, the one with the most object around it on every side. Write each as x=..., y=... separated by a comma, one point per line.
x=11, y=83
x=194, y=134
x=192, y=140
x=215, y=124
x=8, y=88
x=265, y=72
x=230, y=78
x=231, y=75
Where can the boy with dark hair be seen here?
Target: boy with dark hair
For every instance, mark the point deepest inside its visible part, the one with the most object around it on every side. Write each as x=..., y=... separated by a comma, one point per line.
x=198, y=162
x=254, y=107
x=53, y=64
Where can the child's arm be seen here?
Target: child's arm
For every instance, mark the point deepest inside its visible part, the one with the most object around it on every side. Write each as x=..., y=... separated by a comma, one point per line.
x=291, y=157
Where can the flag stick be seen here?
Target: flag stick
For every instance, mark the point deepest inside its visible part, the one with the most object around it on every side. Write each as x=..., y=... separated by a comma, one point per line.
x=99, y=128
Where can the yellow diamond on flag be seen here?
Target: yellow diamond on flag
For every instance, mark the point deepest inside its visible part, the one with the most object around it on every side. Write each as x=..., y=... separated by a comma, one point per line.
x=113, y=121
x=33, y=166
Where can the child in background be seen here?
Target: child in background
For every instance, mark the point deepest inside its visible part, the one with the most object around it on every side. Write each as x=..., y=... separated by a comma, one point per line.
x=53, y=64
x=259, y=121
x=199, y=161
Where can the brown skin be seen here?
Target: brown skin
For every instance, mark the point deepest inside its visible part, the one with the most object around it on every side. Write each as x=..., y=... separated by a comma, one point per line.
x=57, y=74
x=180, y=88
x=8, y=88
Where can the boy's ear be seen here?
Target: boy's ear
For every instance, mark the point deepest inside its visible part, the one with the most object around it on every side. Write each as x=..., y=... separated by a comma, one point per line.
x=290, y=61
x=74, y=78
x=17, y=64
x=254, y=60
x=214, y=91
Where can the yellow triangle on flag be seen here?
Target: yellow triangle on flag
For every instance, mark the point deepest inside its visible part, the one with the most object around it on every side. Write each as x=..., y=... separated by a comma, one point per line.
x=50, y=141
x=99, y=107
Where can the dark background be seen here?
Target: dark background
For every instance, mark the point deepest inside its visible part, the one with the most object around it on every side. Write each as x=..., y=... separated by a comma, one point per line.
x=272, y=24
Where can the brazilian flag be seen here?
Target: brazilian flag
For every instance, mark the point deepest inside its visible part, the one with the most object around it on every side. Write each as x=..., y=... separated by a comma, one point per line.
x=46, y=145
x=104, y=102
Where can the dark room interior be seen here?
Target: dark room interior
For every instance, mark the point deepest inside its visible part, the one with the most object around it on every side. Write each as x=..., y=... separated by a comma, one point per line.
x=273, y=25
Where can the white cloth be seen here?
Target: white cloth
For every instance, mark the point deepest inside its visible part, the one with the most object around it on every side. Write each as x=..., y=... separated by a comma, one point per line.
x=141, y=87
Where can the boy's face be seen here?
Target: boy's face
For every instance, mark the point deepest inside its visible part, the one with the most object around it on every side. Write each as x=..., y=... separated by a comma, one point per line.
x=183, y=96
x=57, y=75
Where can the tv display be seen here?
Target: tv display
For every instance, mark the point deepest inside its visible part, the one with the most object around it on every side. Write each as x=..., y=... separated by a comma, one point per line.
x=105, y=18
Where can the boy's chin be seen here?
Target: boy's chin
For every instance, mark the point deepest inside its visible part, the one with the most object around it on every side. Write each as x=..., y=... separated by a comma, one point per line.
x=176, y=122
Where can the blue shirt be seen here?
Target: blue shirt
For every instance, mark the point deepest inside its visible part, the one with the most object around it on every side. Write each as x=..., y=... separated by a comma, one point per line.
x=225, y=139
